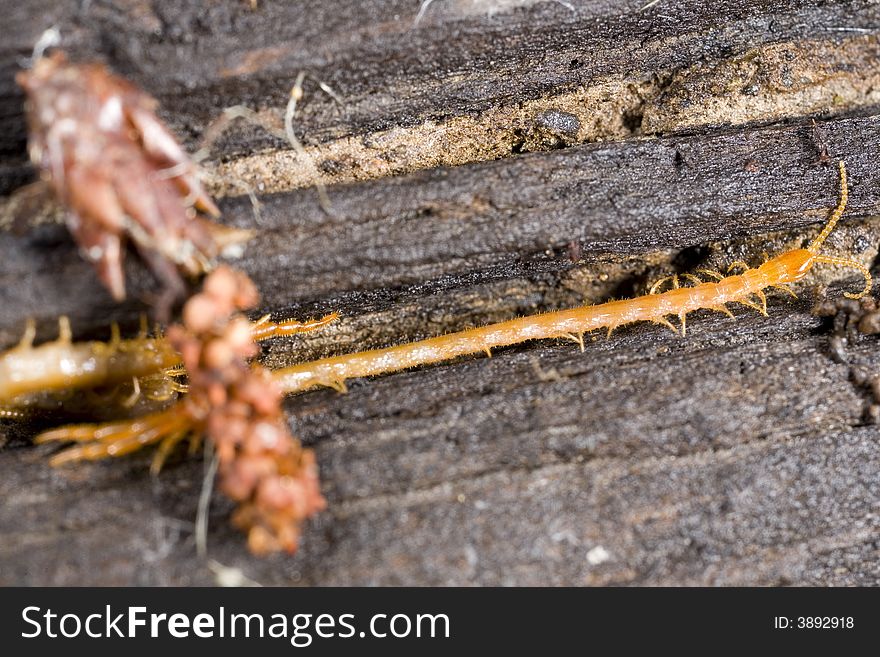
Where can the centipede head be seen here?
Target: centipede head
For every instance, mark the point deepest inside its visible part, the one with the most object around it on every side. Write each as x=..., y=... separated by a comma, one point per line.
x=795, y=264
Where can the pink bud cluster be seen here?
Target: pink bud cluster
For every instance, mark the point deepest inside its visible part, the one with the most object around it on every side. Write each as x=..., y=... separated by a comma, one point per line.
x=238, y=406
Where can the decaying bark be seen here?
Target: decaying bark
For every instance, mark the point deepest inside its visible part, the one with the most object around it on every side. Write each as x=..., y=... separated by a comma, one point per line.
x=588, y=152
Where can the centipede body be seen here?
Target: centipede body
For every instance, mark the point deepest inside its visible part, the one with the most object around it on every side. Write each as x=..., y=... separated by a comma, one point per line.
x=746, y=288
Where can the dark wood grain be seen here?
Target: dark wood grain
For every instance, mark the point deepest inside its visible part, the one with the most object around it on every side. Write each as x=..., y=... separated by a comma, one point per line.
x=740, y=454
x=194, y=58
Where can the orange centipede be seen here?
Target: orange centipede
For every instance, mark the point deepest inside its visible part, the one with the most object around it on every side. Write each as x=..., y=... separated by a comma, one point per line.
x=745, y=288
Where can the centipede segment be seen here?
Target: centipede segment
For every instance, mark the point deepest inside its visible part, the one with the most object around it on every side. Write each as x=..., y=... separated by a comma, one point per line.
x=150, y=366
x=63, y=365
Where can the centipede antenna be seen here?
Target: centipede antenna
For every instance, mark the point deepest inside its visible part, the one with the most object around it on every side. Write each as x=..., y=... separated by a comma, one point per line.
x=264, y=328
x=846, y=262
x=836, y=215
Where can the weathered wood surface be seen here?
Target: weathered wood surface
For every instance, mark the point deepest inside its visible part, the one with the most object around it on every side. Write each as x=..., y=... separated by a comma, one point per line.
x=737, y=455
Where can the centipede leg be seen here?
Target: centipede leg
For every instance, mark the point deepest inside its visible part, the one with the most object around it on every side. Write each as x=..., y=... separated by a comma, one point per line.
x=785, y=289
x=656, y=285
x=296, y=93
x=337, y=385
x=752, y=305
x=65, y=335
x=99, y=441
x=723, y=309
x=760, y=294
x=662, y=321
x=144, y=327
x=682, y=317
x=578, y=339
x=30, y=332
x=718, y=276
x=115, y=337
x=162, y=452
x=131, y=400
x=737, y=264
